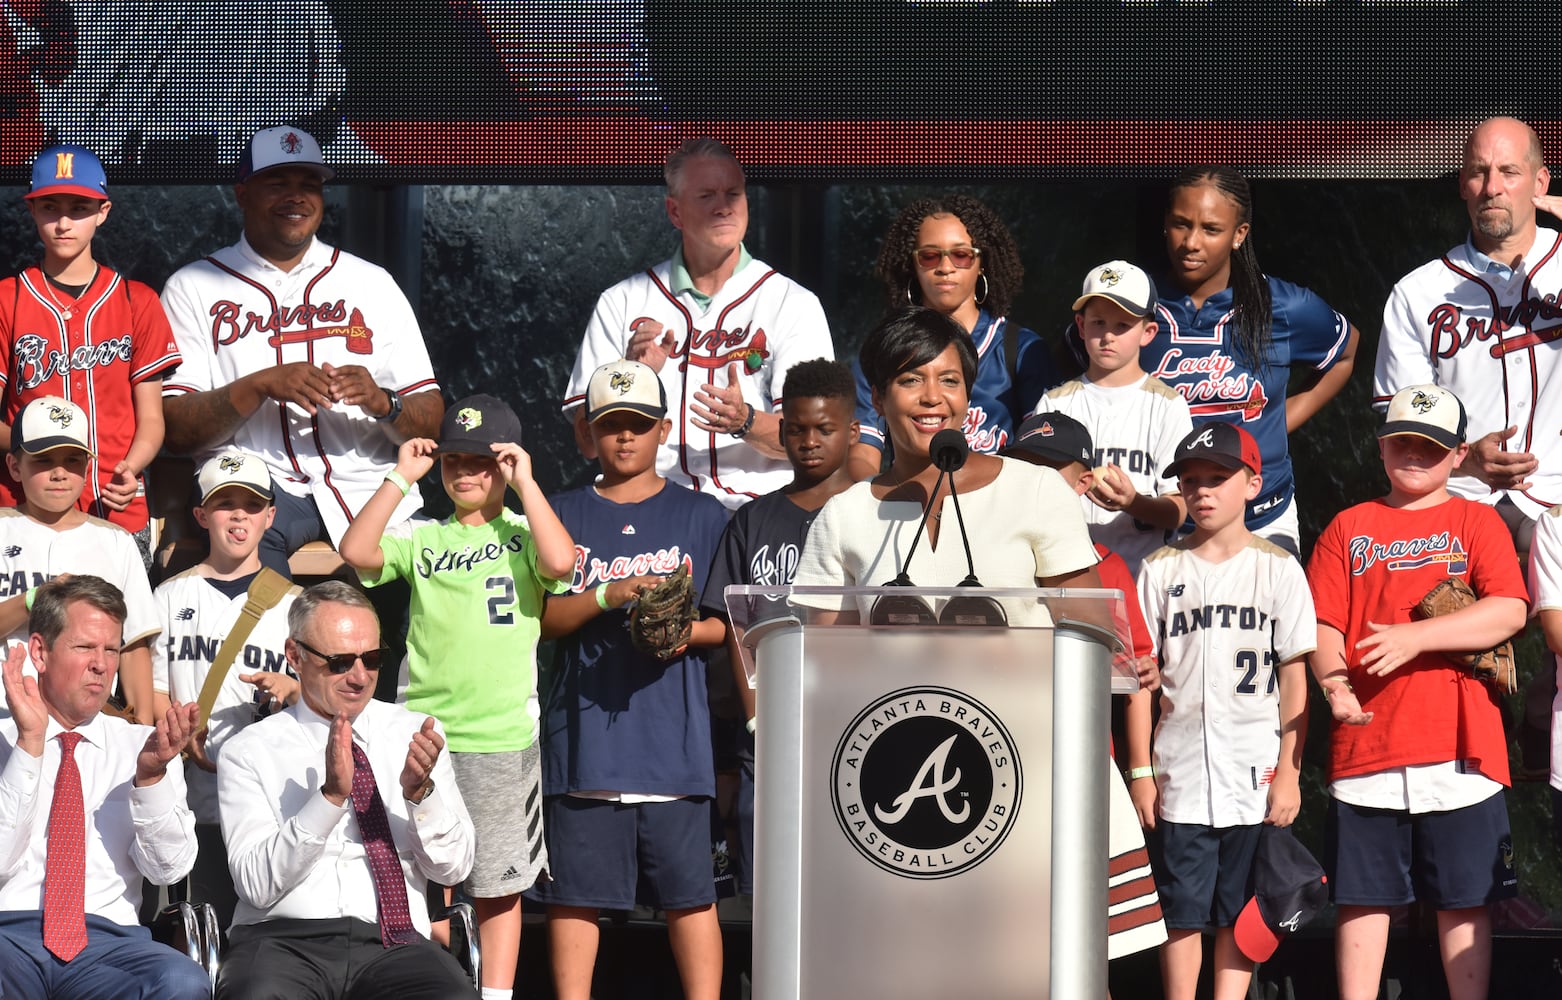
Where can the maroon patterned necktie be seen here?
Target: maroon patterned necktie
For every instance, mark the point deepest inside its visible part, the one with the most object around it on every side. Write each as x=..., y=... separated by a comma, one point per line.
x=65, y=860
x=390, y=882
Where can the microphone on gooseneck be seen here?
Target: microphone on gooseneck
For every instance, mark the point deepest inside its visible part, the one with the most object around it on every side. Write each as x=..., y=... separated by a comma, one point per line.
x=949, y=454
x=948, y=450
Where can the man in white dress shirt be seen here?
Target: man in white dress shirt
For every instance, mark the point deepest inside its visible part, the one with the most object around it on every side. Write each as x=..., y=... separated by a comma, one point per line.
x=88, y=806
x=337, y=814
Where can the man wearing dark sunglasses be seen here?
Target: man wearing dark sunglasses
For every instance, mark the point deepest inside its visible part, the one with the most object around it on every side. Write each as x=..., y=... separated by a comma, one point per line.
x=337, y=812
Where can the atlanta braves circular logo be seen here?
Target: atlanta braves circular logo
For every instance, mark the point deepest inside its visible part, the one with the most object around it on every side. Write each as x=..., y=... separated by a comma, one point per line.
x=926, y=782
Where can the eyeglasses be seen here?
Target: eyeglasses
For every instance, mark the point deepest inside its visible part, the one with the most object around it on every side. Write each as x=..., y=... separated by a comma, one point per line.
x=340, y=663
x=961, y=257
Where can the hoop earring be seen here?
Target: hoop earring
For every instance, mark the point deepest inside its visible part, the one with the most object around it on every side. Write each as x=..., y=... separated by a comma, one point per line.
x=909, y=300
x=986, y=288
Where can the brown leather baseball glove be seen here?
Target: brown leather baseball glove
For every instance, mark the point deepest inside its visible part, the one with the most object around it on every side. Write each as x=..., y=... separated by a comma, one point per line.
x=1495, y=666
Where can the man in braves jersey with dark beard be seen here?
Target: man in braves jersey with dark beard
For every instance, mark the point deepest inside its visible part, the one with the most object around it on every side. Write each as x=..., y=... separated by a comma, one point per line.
x=1483, y=320
x=718, y=327
x=297, y=352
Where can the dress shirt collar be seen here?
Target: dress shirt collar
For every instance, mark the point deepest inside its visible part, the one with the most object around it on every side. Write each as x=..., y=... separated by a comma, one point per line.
x=317, y=728
x=92, y=731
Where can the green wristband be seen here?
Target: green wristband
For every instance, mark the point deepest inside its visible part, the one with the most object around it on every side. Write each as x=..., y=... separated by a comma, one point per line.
x=602, y=597
x=1134, y=774
x=32, y=592
x=399, y=481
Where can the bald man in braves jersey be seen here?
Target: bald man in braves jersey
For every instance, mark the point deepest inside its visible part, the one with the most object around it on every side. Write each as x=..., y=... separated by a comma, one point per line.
x=1484, y=321
x=297, y=352
x=720, y=328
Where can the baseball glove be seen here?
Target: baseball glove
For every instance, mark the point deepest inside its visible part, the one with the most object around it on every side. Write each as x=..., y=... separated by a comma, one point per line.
x=1495, y=666
x=663, y=617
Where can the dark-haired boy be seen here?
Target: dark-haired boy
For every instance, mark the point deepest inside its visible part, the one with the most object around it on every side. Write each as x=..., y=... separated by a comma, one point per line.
x=1419, y=760
x=628, y=773
x=764, y=540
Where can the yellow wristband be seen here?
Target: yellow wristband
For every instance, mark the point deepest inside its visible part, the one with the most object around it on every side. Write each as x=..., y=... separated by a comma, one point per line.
x=1135, y=773
x=602, y=597
x=399, y=481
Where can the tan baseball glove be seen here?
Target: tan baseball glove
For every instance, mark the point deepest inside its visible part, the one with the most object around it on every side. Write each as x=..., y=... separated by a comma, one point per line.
x=1495, y=666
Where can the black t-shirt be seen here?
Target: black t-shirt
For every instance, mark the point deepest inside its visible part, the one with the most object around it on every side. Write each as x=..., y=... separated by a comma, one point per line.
x=762, y=546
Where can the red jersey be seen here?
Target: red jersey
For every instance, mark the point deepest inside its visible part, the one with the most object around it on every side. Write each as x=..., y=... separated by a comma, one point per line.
x=116, y=337
x=1374, y=563
x=1114, y=574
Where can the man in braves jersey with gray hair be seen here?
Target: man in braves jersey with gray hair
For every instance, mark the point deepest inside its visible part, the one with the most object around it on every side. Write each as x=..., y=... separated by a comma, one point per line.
x=1483, y=320
x=718, y=327
x=297, y=352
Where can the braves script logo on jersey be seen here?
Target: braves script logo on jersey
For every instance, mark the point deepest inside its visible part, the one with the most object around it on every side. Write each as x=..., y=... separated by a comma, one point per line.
x=925, y=782
x=296, y=325
x=589, y=571
x=36, y=364
x=1207, y=382
x=718, y=348
x=1409, y=553
x=1451, y=330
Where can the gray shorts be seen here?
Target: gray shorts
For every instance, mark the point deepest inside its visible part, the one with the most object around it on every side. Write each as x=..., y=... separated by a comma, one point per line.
x=503, y=794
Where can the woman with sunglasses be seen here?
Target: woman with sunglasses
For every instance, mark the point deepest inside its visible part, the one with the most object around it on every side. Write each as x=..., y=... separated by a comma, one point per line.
x=953, y=255
x=1229, y=336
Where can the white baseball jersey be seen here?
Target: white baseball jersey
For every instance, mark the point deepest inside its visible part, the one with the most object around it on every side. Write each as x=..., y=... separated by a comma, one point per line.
x=759, y=317
x=1492, y=336
x=219, y=68
x=31, y=554
x=1545, y=591
x=1136, y=427
x=196, y=618
x=1221, y=631
x=234, y=314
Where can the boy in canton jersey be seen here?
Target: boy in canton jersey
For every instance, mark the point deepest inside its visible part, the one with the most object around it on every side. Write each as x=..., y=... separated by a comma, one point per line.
x=73, y=328
x=1418, y=759
x=1232, y=621
x=627, y=764
x=198, y=609
x=764, y=540
x=1135, y=420
x=478, y=580
x=1134, y=921
x=47, y=535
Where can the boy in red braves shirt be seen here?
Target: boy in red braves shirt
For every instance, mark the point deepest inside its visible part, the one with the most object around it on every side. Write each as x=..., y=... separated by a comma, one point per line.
x=70, y=327
x=1418, y=760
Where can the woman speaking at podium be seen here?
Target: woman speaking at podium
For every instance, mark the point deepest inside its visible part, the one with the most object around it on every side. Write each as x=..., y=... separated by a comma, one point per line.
x=1024, y=525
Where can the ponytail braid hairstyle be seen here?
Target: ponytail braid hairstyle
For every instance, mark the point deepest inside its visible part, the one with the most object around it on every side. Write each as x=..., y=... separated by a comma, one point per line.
x=1250, y=301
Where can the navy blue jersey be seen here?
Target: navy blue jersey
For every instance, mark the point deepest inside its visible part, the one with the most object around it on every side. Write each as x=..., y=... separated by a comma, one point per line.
x=998, y=403
x=762, y=546
x=615, y=719
x=1190, y=354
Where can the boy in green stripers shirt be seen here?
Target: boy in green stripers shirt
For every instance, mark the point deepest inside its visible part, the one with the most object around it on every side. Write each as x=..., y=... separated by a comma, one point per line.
x=477, y=580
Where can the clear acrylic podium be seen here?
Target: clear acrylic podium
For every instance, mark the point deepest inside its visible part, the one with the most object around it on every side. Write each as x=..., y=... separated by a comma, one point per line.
x=931, y=801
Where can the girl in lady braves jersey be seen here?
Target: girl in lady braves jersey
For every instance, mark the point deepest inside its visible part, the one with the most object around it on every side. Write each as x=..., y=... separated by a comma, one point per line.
x=1229, y=335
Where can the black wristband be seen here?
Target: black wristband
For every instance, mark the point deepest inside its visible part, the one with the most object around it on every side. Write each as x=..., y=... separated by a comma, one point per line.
x=395, y=405
x=747, y=424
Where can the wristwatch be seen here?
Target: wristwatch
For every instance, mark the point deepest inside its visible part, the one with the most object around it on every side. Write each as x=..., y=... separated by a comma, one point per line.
x=395, y=406
x=423, y=791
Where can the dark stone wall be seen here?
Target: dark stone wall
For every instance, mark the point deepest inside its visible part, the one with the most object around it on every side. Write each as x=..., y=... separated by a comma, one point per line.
x=504, y=280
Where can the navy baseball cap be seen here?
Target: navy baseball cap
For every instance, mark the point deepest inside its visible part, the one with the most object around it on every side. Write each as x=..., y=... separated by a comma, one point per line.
x=1054, y=436
x=1289, y=890
x=475, y=423
x=1226, y=445
x=283, y=146
x=68, y=169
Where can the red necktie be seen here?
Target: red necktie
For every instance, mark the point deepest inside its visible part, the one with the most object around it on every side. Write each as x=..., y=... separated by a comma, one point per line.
x=65, y=860
x=390, y=882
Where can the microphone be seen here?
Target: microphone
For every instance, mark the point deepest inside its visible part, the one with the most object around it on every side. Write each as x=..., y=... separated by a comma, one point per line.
x=949, y=451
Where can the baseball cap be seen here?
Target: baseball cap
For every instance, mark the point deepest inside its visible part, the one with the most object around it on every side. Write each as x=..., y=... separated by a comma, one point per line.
x=1055, y=436
x=233, y=468
x=68, y=169
x=1289, y=890
x=625, y=385
x=1427, y=411
x=1227, y=445
x=475, y=423
x=282, y=146
x=47, y=423
x=1121, y=283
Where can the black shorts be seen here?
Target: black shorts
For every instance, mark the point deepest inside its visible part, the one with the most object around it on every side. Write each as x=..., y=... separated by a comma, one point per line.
x=1204, y=874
